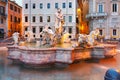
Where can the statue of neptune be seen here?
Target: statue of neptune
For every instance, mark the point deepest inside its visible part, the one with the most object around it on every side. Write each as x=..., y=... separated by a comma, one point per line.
x=58, y=21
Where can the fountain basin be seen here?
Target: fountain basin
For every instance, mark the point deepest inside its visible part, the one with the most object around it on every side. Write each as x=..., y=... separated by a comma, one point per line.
x=104, y=50
x=44, y=56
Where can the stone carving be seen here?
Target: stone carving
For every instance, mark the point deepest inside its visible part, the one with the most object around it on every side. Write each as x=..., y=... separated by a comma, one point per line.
x=59, y=21
x=15, y=37
x=47, y=36
x=29, y=34
x=89, y=39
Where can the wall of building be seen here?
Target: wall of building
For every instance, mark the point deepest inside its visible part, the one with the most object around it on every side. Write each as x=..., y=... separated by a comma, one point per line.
x=44, y=12
x=110, y=23
x=3, y=17
x=14, y=20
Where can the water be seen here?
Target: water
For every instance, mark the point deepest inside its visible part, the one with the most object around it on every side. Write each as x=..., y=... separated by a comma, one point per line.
x=37, y=45
x=83, y=70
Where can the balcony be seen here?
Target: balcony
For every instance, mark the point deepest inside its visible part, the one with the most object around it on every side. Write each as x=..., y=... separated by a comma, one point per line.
x=4, y=1
x=3, y=15
x=96, y=15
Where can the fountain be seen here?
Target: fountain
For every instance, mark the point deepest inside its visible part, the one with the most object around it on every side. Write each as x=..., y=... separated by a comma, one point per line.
x=100, y=50
x=56, y=47
x=29, y=34
x=15, y=37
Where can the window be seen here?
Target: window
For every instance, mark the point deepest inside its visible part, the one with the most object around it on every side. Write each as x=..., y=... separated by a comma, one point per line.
x=41, y=28
x=15, y=9
x=19, y=20
x=33, y=35
x=114, y=7
x=34, y=30
x=70, y=18
x=100, y=32
x=48, y=5
x=48, y=18
x=56, y=5
x=15, y=19
x=114, y=31
x=11, y=18
x=64, y=18
x=70, y=4
x=41, y=5
x=11, y=6
x=70, y=30
x=26, y=18
x=33, y=19
x=26, y=6
x=2, y=10
x=100, y=8
x=26, y=28
x=41, y=19
x=33, y=5
x=2, y=21
x=63, y=5
x=18, y=10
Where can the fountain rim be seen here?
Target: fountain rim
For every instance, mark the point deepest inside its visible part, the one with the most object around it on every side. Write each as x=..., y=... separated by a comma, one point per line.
x=37, y=49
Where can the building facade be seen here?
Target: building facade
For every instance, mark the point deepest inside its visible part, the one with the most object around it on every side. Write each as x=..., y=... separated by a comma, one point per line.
x=105, y=15
x=38, y=13
x=3, y=17
x=14, y=18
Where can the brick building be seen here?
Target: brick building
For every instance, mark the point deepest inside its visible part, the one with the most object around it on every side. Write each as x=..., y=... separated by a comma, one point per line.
x=14, y=18
x=3, y=17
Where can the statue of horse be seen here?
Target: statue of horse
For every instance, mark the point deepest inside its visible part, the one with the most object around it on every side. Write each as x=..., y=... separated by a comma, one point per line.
x=89, y=39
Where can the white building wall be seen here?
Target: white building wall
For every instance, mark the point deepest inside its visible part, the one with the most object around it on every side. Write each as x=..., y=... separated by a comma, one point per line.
x=107, y=23
x=37, y=12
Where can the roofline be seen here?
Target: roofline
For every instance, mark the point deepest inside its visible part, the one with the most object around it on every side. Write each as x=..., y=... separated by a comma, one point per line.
x=15, y=3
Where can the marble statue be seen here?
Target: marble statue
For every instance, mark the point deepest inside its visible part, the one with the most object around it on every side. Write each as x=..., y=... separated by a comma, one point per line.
x=29, y=34
x=58, y=21
x=90, y=39
x=15, y=36
x=47, y=35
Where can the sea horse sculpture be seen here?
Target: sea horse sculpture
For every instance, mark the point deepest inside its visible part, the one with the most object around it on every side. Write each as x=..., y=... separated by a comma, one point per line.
x=90, y=39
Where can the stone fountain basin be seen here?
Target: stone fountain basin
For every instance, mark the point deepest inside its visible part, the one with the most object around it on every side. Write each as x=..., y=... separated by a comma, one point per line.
x=104, y=51
x=41, y=56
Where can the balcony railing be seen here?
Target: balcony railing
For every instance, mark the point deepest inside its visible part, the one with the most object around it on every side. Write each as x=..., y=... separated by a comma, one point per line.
x=4, y=1
x=96, y=15
x=3, y=15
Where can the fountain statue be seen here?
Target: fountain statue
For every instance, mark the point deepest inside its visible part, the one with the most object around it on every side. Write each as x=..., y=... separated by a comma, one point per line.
x=65, y=38
x=29, y=34
x=89, y=39
x=15, y=36
x=47, y=36
x=59, y=21
x=92, y=36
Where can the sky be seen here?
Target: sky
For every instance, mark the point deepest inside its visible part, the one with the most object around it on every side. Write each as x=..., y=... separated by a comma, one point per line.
x=19, y=2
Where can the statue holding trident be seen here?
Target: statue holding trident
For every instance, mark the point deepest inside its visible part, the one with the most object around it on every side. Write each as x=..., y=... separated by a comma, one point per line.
x=59, y=21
